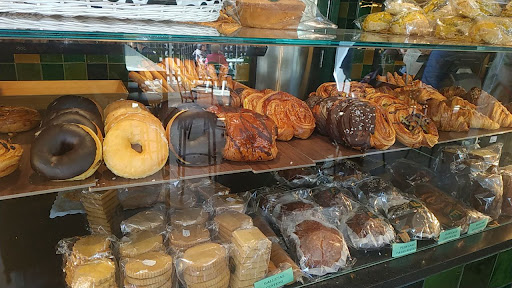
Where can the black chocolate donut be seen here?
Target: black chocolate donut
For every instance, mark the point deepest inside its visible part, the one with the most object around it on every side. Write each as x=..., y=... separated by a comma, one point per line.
x=75, y=116
x=74, y=101
x=64, y=151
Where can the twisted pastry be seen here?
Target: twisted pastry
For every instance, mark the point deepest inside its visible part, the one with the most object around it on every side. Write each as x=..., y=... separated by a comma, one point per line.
x=413, y=128
x=10, y=155
x=18, y=119
x=489, y=106
x=329, y=89
x=320, y=108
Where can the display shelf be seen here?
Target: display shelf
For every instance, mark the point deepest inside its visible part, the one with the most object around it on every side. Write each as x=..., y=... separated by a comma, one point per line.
x=201, y=34
x=292, y=154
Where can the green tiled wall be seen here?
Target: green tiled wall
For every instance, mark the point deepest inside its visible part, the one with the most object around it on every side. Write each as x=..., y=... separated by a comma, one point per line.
x=27, y=67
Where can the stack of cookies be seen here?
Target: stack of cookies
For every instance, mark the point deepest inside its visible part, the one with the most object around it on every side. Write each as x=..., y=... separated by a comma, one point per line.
x=228, y=202
x=185, y=237
x=140, y=243
x=250, y=257
x=101, y=208
x=189, y=217
x=230, y=221
x=146, y=220
x=100, y=273
x=149, y=270
x=205, y=266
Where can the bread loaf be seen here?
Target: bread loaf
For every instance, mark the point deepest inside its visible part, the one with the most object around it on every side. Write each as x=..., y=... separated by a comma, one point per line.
x=283, y=14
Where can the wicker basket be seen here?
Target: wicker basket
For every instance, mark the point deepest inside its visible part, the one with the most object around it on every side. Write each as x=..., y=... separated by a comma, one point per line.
x=82, y=24
x=105, y=8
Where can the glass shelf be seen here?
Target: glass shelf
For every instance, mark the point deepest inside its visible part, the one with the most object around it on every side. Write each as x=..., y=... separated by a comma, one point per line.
x=328, y=38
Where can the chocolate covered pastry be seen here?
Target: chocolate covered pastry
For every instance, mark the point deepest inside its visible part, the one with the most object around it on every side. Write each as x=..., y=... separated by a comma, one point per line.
x=328, y=197
x=406, y=174
x=365, y=230
x=415, y=219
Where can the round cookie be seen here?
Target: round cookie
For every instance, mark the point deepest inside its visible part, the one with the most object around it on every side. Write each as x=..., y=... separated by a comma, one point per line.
x=221, y=281
x=204, y=257
x=151, y=264
x=150, y=281
x=94, y=273
x=91, y=246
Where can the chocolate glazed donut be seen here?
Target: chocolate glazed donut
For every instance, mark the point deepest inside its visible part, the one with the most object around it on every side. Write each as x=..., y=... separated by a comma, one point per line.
x=90, y=116
x=63, y=152
x=74, y=101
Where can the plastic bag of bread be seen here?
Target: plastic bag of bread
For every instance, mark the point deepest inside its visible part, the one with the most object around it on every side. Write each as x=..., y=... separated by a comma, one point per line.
x=453, y=27
x=152, y=219
x=283, y=14
x=486, y=193
x=411, y=23
x=204, y=264
x=375, y=192
x=319, y=247
x=297, y=177
x=365, y=230
x=376, y=22
x=506, y=174
x=188, y=217
x=181, y=195
x=219, y=204
x=448, y=157
x=488, y=156
x=208, y=188
x=406, y=173
x=339, y=199
x=293, y=202
x=477, y=8
x=450, y=212
x=154, y=267
x=141, y=197
x=491, y=30
x=397, y=7
x=141, y=242
x=87, y=251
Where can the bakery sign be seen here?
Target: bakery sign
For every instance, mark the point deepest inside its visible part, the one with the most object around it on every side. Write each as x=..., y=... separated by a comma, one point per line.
x=277, y=280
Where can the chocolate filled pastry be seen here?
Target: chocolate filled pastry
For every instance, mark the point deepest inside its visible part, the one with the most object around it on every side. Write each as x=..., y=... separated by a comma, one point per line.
x=365, y=230
x=412, y=217
x=196, y=137
x=329, y=197
x=298, y=177
x=453, y=91
x=406, y=174
x=320, y=109
x=450, y=212
x=486, y=193
x=249, y=136
x=74, y=116
x=74, y=101
x=360, y=124
x=413, y=128
x=10, y=156
x=18, y=119
x=66, y=152
x=506, y=174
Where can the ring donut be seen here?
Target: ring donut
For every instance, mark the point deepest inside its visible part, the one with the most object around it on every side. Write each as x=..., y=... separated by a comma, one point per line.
x=66, y=152
x=123, y=104
x=74, y=101
x=125, y=161
x=123, y=111
x=74, y=116
x=142, y=117
x=75, y=111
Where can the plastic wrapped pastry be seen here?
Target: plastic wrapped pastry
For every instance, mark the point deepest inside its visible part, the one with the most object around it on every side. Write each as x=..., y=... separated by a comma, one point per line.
x=298, y=177
x=228, y=202
x=155, y=268
x=320, y=247
x=450, y=212
x=189, y=217
x=141, y=242
x=476, y=8
x=506, y=174
x=153, y=219
x=207, y=189
x=334, y=197
x=182, y=238
x=377, y=22
x=295, y=202
x=486, y=193
x=411, y=23
x=453, y=27
x=376, y=192
x=406, y=173
x=141, y=197
x=489, y=156
x=397, y=7
x=365, y=230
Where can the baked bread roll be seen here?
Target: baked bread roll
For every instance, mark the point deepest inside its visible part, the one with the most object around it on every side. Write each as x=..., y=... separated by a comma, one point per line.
x=18, y=119
x=360, y=124
x=477, y=8
x=377, y=22
x=249, y=136
x=412, y=23
x=489, y=106
x=283, y=14
x=10, y=156
x=453, y=27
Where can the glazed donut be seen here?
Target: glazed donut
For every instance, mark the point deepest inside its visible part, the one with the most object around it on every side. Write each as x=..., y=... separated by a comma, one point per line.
x=164, y=112
x=10, y=155
x=202, y=138
x=123, y=160
x=74, y=101
x=123, y=104
x=74, y=116
x=18, y=119
x=75, y=111
x=123, y=111
x=66, y=152
x=141, y=117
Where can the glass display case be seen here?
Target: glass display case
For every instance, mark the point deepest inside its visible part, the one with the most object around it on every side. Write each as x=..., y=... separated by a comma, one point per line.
x=320, y=158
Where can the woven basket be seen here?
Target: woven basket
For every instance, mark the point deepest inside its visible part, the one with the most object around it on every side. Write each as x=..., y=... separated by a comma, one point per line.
x=82, y=24
x=104, y=8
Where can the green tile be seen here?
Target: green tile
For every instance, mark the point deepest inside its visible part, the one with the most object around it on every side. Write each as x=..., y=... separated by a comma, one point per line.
x=51, y=58
x=115, y=58
x=53, y=71
x=97, y=72
x=6, y=58
x=7, y=72
x=367, y=69
x=75, y=71
x=343, y=10
x=364, y=11
x=478, y=273
x=352, y=10
x=94, y=58
x=342, y=23
x=28, y=71
x=357, y=56
x=446, y=279
x=74, y=58
x=502, y=274
x=117, y=72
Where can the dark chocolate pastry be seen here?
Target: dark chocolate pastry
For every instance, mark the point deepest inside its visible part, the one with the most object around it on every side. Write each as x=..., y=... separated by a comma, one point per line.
x=333, y=197
x=295, y=206
x=407, y=173
x=486, y=193
x=74, y=101
x=506, y=174
x=66, y=115
x=320, y=109
x=415, y=219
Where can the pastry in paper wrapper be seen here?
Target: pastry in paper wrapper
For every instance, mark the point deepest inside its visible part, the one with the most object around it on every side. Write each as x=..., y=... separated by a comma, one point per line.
x=153, y=219
x=450, y=212
x=366, y=230
x=320, y=248
x=189, y=217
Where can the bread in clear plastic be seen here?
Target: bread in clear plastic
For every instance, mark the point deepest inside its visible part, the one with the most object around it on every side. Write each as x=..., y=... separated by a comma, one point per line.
x=153, y=219
x=411, y=23
x=141, y=197
x=506, y=174
x=181, y=195
x=297, y=177
x=377, y=22
x=151, y=269
x=486, y=193
x=229, y=202
x=208, y=188
x=453, y=27
x=375, y=192
x=406, y=173
x=477, y=8
x=397, y=7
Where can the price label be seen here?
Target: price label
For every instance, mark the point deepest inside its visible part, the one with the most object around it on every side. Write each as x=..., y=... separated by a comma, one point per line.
x=477, y=226
x=277, y=280
x=449, y=235
x=402, y=249
x=493, y=139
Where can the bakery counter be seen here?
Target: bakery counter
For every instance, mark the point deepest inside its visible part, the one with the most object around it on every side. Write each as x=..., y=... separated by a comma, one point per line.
x=292, y=154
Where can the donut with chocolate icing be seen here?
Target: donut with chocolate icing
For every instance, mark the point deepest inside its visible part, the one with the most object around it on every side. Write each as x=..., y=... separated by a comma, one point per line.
x=66, y=152
x=74, y=101
x=75, y=116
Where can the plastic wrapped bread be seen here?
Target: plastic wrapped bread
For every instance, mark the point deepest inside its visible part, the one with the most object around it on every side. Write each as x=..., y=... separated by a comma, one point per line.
x=506, y=174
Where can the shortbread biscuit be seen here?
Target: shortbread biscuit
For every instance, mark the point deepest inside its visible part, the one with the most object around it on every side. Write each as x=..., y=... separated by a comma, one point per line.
x=93, y=273
x=151, y=264
x=204, y=256
x=220, y=281
x=150, y=281
x=146, y=220
x=92, y=246
x=140, y=243
x=187, y=237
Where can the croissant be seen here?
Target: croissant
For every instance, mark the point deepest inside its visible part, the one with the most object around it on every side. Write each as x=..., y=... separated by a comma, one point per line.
x=453, y=91
x=360, y=124
x=489, y=106
x=249, y=136
x=292, y=116
x=420, y=94
x=412, y=128
x=395, y=79
x=444, y=117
